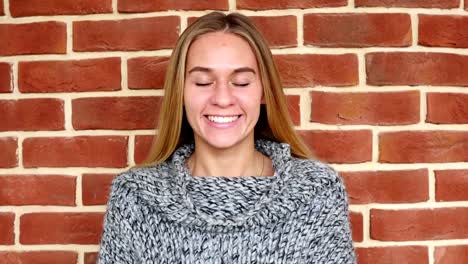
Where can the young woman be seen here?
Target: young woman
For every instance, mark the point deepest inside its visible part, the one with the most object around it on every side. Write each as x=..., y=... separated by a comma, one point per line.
x=227, y=180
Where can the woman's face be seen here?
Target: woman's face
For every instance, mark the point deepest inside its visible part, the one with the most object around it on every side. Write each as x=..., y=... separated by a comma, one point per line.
x=222, y=90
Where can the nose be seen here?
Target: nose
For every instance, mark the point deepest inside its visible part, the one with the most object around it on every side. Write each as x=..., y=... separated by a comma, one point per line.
x=222, y=94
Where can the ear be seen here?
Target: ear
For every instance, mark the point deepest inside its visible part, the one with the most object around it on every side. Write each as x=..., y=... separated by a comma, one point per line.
x=262, y=101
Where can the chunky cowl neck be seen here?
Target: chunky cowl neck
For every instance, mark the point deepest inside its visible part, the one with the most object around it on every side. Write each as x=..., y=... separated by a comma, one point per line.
x=223, y=204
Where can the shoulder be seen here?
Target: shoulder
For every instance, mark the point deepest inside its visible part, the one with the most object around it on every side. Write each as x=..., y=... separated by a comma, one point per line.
x=314, y=171
x=137, y=180
x=317, y=176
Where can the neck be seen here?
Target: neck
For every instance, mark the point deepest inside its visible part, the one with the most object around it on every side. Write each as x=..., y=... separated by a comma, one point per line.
x=240, y=160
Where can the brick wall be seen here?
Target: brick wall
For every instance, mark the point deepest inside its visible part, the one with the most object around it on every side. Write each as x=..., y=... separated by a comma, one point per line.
x=376, y=87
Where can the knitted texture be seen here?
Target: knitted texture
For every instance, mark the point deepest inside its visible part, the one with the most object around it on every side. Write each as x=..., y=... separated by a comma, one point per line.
x=163, y=214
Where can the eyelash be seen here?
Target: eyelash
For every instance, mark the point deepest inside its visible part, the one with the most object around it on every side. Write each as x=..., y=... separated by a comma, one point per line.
x=202, y=84
x=238, y=84
x=241, y=84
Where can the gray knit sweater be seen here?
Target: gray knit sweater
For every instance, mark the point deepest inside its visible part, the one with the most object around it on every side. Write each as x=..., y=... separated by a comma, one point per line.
x=162, y=214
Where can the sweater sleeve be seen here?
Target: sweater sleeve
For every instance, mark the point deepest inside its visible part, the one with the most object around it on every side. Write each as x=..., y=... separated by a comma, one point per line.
x=116, y=242
x=330, y=226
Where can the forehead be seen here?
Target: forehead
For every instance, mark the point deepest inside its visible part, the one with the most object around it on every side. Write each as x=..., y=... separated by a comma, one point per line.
x=221, y=50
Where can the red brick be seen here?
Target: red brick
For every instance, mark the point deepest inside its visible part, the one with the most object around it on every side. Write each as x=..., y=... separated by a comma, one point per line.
x=32, y=114
x=21, y=8
x=96, y=187
x=115, y=112
x=274, y=4
x=5, y=77
x=387, y=186
x=416, y=68
x=39, y=257
x=150, y=33
x=191, y=19
x=419, y=224
x=80, y=151
x=312, y=70
x=142, y=147
x=294, y=108
x=135, y=6
x=147, y=72
x=8, y=157
x=423, y=146
x=91, y=257
x=357, y=30
x=393, y=254
x=19, y=39
x=451, y=185
x=7, y=222
x=279, y=31
x=61, y=228
x=447, y=108
x=70, y=76
x=405, y=3
x=351, y=146
x=390, y=108
x=37, y=190
x=443, y=31
x=451, y=254
x=356, y=226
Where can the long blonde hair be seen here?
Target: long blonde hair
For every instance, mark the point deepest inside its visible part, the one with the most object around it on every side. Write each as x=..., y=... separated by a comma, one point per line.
x=274, y=122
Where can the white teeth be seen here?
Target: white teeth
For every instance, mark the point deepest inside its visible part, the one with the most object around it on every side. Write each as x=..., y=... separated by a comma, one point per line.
x=223, y=119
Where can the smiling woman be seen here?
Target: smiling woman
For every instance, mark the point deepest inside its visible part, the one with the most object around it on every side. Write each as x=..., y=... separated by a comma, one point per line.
x=222, y=98
x=227, y=180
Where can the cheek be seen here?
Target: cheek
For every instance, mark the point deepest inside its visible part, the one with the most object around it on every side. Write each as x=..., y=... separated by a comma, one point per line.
x=259, y=89
x=189, y=98
x=188, y=105
x=254, y=97
x=251, y=103
x=191, y=112
x=194, y=103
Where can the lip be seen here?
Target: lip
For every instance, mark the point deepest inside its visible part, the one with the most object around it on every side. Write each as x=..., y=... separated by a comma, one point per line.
x=222, y=115
x=222, y=125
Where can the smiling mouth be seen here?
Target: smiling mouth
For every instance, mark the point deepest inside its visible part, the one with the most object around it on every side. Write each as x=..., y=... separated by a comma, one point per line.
x=222, y=119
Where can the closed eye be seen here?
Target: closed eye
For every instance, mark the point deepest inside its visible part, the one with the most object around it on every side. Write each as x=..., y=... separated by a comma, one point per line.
x=241, y=84
x=202, y=84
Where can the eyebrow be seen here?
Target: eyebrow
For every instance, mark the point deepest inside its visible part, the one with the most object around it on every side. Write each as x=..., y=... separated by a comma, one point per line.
x=205, y=69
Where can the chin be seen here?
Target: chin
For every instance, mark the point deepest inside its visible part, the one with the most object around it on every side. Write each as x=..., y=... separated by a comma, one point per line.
x=224, y=141
x=221, y=143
